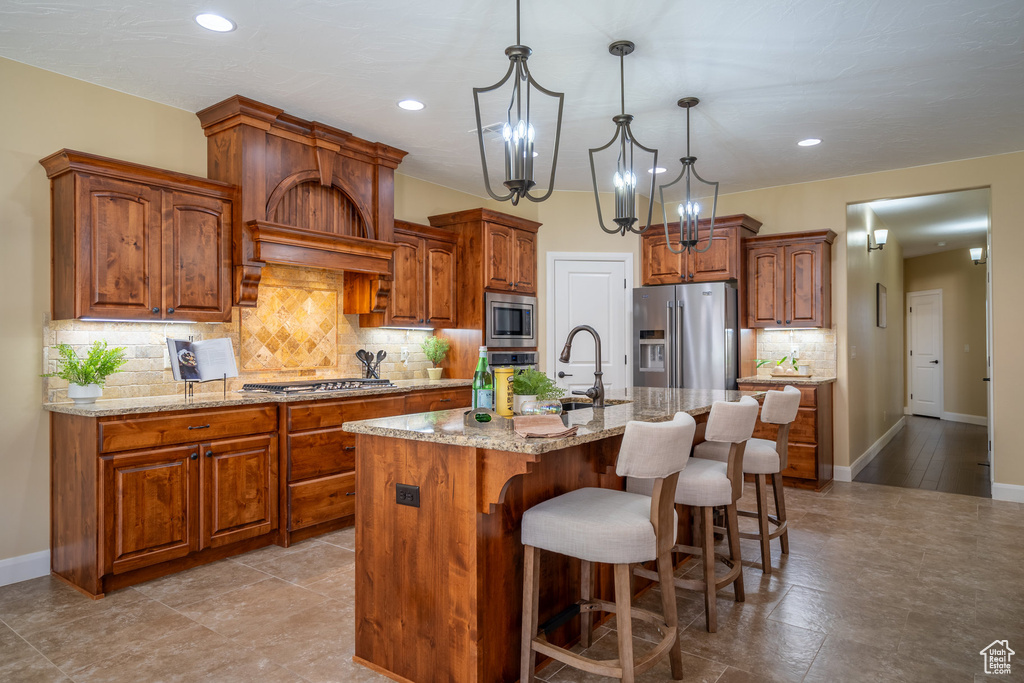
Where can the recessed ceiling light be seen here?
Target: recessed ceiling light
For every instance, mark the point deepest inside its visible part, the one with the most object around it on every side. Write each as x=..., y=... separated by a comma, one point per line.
x=411, y=105
x=656, y=169
x=215, y=22
x=809, y=142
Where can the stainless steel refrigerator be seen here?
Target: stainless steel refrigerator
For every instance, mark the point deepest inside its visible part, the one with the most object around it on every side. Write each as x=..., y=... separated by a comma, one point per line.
x=686, y=336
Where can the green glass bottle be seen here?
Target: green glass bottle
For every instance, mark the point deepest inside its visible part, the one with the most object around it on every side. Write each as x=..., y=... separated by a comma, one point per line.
x=483, y=383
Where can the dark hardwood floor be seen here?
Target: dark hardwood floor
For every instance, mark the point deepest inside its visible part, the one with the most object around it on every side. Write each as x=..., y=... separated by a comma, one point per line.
x=934, y=454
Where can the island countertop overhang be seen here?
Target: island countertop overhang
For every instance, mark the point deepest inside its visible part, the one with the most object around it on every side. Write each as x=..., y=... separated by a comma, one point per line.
x=643, y=404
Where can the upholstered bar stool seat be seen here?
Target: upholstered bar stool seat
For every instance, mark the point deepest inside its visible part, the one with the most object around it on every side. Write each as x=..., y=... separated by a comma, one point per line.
x=614, y=527
x=598, y=525
x=707, y=484
x=761, y=459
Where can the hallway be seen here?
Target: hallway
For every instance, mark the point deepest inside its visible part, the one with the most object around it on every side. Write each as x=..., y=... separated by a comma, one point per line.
x=934, y=454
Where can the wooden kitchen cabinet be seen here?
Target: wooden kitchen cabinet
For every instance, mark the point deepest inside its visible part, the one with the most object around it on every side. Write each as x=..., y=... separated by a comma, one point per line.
x=424, y=288
x=138, y=243
x=721, y=261
x=810, y=461
x=789, y=280
x=510, y=259
x=238, y=489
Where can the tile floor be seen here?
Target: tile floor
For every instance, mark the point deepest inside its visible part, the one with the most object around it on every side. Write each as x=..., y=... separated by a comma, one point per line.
x=938, y=455
x=882, y=584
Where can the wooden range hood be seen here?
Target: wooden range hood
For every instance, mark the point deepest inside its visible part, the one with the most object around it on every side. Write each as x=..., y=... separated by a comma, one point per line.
x=311, y=195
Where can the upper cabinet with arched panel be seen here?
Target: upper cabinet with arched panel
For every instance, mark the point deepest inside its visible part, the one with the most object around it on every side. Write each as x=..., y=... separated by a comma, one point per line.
x=311, y=195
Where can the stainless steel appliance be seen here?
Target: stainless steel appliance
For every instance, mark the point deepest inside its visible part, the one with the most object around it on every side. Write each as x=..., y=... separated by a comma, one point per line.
x=510, y=321
x=313, y=386
x=686, y=336
x=519, y=360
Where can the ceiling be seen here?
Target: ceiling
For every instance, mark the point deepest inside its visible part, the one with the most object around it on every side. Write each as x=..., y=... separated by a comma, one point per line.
x=885, y=84
x=937, y=222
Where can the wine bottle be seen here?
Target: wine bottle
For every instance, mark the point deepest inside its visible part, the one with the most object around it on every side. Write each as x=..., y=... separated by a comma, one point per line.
x=483, y=383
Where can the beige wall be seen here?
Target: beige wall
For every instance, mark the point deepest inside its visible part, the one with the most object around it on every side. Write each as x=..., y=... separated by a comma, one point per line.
x=963, y=325
x=822, y=204
x=42, y=112
x=875, y=354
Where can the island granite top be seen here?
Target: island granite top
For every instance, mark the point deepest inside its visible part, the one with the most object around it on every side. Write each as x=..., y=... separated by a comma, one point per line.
x=161, y=404
x=782, y=380
x=643, y=404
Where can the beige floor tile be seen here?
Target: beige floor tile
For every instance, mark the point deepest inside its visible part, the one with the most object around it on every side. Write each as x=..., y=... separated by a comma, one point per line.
x=36, y=605
x=200, y=583
x=339, y=585
x=867, y=621
x=944, y=644
x=853, y=662
x=79, y=643
x=312, y=563
x=308, y=635
x=695, y=669
x=253, y=608
x=734, y=675
x=345, y=538
x=191, y=654
x=336, y=667
x=19, y=661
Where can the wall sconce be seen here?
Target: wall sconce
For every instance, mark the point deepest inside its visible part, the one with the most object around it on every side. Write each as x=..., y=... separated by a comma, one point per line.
x=881, y=237
x=976, y=256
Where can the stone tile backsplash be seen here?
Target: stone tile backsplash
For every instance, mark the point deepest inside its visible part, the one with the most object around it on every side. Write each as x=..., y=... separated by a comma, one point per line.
x=299, y=295
x=815, y=348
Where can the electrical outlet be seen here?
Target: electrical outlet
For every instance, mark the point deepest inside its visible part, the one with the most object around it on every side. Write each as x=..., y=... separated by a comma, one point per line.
x=405, y=354
x=967, y=348
x=406, y=494
x=853, y=352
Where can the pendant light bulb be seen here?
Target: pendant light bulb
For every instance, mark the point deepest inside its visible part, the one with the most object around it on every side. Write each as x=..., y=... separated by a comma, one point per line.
x=689, y=208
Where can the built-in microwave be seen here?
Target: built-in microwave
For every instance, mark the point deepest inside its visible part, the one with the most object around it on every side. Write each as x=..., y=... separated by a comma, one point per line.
x=511, y=321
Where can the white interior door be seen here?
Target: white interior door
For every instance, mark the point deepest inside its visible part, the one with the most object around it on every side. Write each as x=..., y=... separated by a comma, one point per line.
x=924, y=342
x=590, y=289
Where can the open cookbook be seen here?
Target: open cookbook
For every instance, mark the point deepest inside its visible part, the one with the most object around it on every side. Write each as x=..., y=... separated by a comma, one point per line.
x=202, y=361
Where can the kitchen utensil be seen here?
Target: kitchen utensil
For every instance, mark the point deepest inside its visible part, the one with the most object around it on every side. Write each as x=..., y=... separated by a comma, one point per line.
x=366, y=358
x=381, y=355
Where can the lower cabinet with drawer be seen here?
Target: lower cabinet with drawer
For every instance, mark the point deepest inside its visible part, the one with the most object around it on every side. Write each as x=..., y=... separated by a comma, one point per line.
x=141, y=496
x=810, y=436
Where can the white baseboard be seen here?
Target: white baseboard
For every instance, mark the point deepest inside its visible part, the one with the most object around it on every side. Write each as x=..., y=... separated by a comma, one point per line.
x=906, y=410
x=969, y=419
x=848, y=473
x=1010, y=492
x=24, y=567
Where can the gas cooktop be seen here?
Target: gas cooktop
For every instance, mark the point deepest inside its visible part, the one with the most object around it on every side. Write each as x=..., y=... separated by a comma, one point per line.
x=312, y=386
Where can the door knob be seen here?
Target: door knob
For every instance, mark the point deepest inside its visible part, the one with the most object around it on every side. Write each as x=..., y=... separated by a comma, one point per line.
x=562, y=374
x=986, y=379
x=194, y=456
x=934, y=362
x=209, y=454
x=778, y=322
x=156, y=309
x=170, y=310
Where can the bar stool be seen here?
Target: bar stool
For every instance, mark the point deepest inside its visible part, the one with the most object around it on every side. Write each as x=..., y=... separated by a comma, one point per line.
x=762, y=458
x=705, y=485
x=618, y=528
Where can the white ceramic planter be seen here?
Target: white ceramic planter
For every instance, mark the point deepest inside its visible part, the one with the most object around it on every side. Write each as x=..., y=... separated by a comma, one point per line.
x=84, y=393
x=519, y=400
x=434, y=373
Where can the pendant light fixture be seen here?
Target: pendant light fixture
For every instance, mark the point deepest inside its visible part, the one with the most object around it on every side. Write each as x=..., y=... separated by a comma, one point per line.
x=623, y=179
x=694, y=191
x=518, y=133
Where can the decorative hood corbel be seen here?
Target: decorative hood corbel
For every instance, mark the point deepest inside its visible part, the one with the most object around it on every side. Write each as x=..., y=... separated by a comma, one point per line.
x=311, y=195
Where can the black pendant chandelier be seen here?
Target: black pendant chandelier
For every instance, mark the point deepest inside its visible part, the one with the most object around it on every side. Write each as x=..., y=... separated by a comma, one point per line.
x=623, y=179
x=696, y=194
x=518, y=132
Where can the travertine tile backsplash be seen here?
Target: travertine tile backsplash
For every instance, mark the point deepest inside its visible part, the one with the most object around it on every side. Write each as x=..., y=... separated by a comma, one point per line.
x=291, y=334
x=815, y=348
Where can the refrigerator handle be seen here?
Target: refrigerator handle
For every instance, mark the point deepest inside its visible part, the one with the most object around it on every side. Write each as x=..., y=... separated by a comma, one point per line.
x=670, y=317
x=677, y=334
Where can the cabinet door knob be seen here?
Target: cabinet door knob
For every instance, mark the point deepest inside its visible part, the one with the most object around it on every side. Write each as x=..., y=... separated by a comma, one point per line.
x=350, y=493
x=444, y=400
x=194, y=456
x=691, y=276
x=350, y=448
x=778, y=322
x=156, y=309
x=209, y=454
x=170, y=311
x=788, y=321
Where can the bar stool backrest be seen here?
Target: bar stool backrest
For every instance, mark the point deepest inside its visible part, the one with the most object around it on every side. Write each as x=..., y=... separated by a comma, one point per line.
x=732, y=421
x=780, y=407
x=654, y=450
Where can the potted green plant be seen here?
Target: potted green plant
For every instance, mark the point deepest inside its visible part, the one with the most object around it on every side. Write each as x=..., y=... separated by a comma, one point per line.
x=436, y=350
x=85, y=377
x=532, y=385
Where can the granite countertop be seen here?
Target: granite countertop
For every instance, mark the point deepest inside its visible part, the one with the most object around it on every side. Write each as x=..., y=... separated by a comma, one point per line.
x=644, y=404
x=160, y=404
x=812, y=381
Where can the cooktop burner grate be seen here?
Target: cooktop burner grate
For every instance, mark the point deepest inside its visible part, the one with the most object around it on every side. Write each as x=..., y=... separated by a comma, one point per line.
x=315, y=385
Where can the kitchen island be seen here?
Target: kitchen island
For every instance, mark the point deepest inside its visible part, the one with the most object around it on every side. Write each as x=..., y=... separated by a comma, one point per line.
x=438, y=553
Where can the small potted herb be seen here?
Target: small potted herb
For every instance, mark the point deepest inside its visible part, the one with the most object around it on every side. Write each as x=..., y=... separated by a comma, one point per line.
x=86, y=376
x=436, y=350
x=532, y=385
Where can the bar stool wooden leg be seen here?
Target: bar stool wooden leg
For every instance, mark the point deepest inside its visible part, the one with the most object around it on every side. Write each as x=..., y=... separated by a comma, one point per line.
x=531, y=598
x=761, y=485
x=586, y=618
x=733, y=527
x=780, y=509
x=707, y=534
x=624, y=621
x=670, y=609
